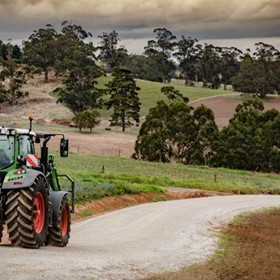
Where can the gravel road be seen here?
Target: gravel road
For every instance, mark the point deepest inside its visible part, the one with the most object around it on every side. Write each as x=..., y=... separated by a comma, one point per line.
x=133, y=242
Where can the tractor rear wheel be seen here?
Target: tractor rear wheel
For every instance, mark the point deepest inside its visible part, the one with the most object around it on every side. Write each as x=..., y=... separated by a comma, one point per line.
x=59, y=233
x=27, y=215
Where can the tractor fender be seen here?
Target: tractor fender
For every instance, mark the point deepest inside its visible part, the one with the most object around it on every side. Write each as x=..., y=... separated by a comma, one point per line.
x=56, y=198
x=22, y=181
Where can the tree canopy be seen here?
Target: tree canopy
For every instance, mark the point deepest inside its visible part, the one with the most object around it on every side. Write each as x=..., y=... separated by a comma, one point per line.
x=123, y=98
x=259, y=73
x=176, y=132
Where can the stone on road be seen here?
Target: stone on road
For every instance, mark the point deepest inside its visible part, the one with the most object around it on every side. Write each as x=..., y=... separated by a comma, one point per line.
x=133, y=242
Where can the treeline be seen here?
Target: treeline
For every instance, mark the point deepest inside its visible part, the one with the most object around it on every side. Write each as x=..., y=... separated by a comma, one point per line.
x=175, y=132
x=163, y=58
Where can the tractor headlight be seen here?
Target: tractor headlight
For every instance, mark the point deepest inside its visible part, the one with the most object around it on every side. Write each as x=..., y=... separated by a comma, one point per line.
x=19, y=172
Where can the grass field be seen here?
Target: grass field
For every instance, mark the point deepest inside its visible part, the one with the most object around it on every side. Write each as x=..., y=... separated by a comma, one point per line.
x=131, y=176
x=150, y=93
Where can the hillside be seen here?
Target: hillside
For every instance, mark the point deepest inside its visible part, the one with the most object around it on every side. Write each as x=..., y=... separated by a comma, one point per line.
x=45, y=109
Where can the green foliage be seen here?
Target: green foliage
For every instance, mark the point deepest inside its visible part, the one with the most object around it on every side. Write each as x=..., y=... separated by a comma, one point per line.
x=13, y=51
x=79, y=91
x=75, y=57
x=123, y=98
x=159, y=52
x=251, y=140
x=39, y=49
x=12, y=78
x=172, y=132
x=110, y=53
x=208, y=66
x=229, y=64
x=143, y=67
x=173, y=94
x=259, y=74
x=3, y=51
x=187, y=53
x=73, y=54
x=87, y=119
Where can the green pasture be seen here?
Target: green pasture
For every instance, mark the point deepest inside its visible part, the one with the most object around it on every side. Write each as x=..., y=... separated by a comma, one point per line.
x=150, y=93
x=105, y=176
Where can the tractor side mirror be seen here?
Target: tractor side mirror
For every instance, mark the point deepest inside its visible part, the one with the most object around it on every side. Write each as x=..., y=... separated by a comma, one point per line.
x=64, y=147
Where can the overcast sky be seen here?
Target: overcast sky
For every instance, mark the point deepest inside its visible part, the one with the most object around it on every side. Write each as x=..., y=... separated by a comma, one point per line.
x=238, y=23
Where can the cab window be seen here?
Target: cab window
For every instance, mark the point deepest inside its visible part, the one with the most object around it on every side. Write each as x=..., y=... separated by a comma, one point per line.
x=6, y=151
x=25, y=145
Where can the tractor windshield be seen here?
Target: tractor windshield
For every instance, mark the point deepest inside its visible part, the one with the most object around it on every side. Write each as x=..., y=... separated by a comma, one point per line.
x=6, y=151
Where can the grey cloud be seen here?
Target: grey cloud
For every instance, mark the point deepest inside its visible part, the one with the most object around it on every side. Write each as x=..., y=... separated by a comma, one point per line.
x=136, y=19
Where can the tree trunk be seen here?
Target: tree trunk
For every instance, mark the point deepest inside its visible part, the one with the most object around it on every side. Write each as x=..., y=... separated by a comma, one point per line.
x=225, y=86
x=46, y=75
x=186, y=79
x=123, y=121
x=13, y=98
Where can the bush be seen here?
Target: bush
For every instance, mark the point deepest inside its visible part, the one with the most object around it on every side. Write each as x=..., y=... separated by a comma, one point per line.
x=87, y=119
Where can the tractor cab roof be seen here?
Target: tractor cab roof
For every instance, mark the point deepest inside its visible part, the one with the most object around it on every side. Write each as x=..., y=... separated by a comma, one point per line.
x=18, y=131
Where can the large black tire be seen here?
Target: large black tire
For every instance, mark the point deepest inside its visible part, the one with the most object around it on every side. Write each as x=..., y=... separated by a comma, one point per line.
x=27, y=215
x=59, y=233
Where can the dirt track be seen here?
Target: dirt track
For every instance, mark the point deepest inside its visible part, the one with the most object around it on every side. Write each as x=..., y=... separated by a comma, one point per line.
x=133, y=242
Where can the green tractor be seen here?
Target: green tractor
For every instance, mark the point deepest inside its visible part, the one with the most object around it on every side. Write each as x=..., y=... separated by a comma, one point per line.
x=32, y=204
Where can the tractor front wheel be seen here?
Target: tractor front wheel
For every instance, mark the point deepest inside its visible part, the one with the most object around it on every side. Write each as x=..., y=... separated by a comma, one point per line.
x=27, y=215
x=59, y=233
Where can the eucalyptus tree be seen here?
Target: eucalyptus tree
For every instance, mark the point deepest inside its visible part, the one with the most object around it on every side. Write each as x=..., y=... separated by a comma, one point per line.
x=187, y=53
x=40, y=49
x=160, y=51
x=12, y=78
x=110, y=53
x=259, y=73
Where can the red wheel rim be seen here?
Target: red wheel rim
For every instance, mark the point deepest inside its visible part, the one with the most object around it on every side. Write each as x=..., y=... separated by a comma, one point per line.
x=64, y=222
x=39, y=212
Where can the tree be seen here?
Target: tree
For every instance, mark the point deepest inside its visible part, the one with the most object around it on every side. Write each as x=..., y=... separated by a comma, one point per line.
x=12, y=78
x=87, y=119
x=159, y=51
x=79, y=92
x=40, y=49
x=123, y=98
x=187, y=51
x=73, y=54
x=208, y=134
x=174, y=132
x=110, y=53
x=16, y=53
x=142, y=67
x=251, y=140
x=259, y=73
x=208, y=66
x=76, y=59
x=3, y=51
x=173, y=94
x=229, y=65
